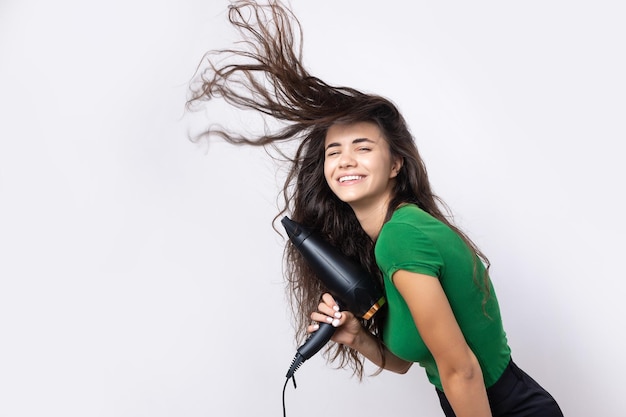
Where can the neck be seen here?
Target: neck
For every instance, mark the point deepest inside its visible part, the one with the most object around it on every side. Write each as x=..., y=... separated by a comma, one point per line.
x=372, y=217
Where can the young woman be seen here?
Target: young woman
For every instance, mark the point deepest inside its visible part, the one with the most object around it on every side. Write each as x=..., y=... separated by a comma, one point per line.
x=357, y=178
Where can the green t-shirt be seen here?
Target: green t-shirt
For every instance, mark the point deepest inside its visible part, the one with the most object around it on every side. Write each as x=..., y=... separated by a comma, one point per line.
x=414, y=241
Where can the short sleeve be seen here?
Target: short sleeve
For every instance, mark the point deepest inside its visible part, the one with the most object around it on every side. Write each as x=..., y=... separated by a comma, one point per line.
x=402, y=246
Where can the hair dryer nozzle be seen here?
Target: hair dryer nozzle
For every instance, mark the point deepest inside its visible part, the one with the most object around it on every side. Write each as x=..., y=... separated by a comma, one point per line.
x=296, y=232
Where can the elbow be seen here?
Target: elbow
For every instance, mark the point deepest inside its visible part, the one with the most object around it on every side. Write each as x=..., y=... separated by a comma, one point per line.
x=469, y=373
x=402, y=368
x=463, y=372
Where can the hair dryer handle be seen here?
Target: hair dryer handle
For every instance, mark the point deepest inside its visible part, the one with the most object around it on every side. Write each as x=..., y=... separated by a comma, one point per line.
x=311, y=346
x=317, y=340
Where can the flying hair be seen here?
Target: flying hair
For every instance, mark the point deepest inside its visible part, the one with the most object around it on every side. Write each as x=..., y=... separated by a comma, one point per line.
x=264, y=72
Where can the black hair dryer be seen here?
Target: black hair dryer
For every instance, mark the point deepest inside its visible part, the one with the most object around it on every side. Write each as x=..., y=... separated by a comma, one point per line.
x=347, y=281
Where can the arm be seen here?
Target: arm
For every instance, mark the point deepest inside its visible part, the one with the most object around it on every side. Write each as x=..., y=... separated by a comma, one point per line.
x=458, y=367
x=351, y=333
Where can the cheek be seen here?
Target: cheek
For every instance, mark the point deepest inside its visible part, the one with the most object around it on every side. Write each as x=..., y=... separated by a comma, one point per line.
x=327, y=172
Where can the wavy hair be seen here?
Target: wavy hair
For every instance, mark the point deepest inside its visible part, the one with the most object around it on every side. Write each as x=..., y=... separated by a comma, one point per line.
x=265, y=74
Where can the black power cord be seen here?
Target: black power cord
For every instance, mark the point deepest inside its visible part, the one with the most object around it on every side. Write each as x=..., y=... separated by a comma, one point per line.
x=284, y=389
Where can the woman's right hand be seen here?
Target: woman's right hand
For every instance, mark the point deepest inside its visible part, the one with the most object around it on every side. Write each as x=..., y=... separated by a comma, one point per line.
x=351, y=333
x=348, y=326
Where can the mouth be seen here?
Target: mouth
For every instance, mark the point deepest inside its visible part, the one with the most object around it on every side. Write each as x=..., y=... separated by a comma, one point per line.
x=349, y=178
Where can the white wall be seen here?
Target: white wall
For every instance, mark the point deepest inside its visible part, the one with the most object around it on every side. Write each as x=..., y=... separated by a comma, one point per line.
x=140, y=275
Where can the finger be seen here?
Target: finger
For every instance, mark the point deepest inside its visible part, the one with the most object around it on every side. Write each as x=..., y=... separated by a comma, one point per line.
x=332, y=313
x=329, y=310
x=312, y=327
x=345, y=317
x=328, y=299
x=321, y=317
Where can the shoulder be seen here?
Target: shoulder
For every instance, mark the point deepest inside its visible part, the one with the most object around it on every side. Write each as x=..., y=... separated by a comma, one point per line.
x=406, y=241
x=407, y=215
x=408, y=220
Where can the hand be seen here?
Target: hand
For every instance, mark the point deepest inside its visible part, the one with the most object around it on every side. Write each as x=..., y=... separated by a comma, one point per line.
x=351, y=333
x=348, y=326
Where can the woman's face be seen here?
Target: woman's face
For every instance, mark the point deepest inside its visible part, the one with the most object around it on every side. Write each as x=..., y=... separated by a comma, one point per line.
x=358, y=165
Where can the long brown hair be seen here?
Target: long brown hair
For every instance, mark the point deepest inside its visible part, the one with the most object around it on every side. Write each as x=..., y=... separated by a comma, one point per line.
x=266, y=74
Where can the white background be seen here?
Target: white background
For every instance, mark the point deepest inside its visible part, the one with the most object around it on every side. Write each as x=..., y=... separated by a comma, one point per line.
x=140, y=274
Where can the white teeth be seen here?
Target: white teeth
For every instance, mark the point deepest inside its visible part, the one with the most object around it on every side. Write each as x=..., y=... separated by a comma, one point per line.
x=350, y=178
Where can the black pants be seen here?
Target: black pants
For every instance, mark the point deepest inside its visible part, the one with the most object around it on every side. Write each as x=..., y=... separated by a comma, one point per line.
x=515, y=394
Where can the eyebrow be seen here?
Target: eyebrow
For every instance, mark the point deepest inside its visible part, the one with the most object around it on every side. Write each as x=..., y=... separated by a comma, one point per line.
x=355, y=141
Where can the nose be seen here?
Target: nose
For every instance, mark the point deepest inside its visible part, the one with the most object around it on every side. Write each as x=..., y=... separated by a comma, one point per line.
x=346, y=160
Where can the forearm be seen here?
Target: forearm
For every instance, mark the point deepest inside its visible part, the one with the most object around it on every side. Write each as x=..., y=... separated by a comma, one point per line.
x=367, y=345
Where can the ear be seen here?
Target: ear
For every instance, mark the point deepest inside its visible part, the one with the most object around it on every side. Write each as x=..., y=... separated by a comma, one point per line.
x=396, y=166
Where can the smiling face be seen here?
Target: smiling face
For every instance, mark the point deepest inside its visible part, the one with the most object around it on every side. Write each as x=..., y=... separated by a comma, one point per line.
x=358, y=165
